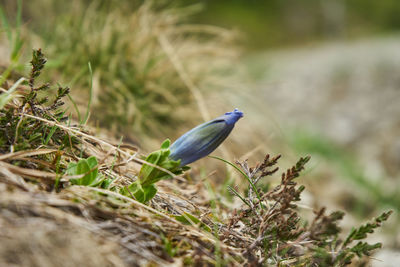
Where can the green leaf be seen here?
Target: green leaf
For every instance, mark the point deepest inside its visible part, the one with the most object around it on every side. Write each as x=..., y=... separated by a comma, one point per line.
x=141, y=193
x=88, y=167
x=170, y=165
x=184, y=168
x=92, y=161
x=106, y=183
x=149, y=175
x=148, y=172
x=165, y=144
x=99, y=180
x=187, y=218
x=83, y=168
x=143, y=188
x=158, y=175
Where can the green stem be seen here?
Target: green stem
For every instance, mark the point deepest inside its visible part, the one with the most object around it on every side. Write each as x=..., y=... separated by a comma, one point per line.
x=244, y=174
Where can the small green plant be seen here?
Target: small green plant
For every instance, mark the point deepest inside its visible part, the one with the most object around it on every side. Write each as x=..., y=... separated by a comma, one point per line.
x=143, y=189
x=191, y=146
x=19, y=130
x=89, y=168
x=268, y=229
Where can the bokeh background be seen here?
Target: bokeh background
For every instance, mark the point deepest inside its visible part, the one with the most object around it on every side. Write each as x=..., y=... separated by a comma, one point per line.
x=317, y=77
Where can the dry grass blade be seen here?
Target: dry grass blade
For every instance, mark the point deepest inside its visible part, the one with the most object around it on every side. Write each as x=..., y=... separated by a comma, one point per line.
x=169, y=50
x=43, y=175
x=193, y=229
x=27, y=153
x=79, y=133
x=11, y=178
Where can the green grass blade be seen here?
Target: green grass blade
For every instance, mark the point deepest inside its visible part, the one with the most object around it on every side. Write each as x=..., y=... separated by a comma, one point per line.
x=17, y=42
x=115, y=155
x=6, y=26
x=19, y=15
x=90, y=95
x=75, y=107
x=52, y=131
x=244, y=174
x=7, y=96
x=236, y=193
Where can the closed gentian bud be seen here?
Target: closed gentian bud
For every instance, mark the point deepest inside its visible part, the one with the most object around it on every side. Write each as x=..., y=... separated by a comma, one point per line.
x=204, y=139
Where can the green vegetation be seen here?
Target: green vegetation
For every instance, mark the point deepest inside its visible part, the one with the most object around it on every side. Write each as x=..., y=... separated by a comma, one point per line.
x=21, y=132
x=137, y=53
x=44, y=150
x=88, y=168
x=277, y=23
x=147, y=68
x=143, y=189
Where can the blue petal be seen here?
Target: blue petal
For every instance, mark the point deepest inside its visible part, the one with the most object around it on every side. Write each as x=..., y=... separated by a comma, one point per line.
x=204, y=139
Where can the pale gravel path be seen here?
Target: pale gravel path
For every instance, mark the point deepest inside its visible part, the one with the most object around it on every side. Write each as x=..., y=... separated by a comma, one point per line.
x=349, y=92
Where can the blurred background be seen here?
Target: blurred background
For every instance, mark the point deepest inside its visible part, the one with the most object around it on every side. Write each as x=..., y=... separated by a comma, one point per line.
x=317, y=77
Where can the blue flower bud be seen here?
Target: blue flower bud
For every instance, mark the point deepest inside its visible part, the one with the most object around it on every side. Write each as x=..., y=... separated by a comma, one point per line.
x=204, y=139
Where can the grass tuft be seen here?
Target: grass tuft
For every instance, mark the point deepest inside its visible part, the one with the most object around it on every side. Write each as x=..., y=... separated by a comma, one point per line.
x=150, y=66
